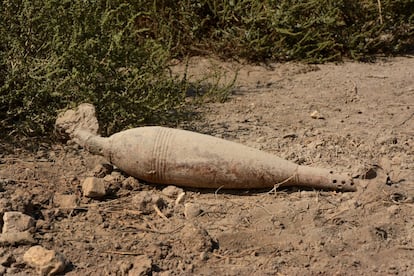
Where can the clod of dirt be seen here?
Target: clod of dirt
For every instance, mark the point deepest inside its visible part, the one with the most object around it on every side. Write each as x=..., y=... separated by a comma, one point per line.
x=142, y=266
x=83, y=117
x=93, y=187
x=195, y=239
x=192, y=210
x=17, y=222
x=16, y=238
x=46, y=262
x=114, y=177
x=172, y=191
x=101, y=170
x=131, y=183
x=65, y=201
x=145, y=201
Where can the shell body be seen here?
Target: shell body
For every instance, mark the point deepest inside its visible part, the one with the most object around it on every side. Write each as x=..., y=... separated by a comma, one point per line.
x=172, y=156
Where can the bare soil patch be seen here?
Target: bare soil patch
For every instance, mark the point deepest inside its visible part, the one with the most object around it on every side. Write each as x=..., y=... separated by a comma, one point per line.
x=355, y=117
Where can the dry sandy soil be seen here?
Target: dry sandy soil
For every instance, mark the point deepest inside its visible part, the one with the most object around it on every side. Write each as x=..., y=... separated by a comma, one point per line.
x=365, y=128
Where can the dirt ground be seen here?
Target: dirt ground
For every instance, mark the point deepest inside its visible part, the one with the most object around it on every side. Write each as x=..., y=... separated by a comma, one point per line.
x=363, y=125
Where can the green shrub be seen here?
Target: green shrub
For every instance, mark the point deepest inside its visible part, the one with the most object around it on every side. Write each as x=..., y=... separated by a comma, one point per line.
x=310, y=30
x=56, y=54
x=115, y=54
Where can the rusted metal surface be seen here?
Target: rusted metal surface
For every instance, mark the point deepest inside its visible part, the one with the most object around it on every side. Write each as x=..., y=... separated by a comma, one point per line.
x=172, y=156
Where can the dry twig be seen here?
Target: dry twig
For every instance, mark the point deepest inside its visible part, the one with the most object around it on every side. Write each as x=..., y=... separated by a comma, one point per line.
x=277, y=185
x=380, y=11
x=123, y=253
x=158, y=211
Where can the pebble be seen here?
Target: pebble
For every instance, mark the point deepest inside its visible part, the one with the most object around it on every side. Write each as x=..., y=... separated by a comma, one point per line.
x=93, y=187
x=203, y=256
x=17, y=222
x=46, y=262
x=317, y=115
x=16, y=238
x=192, y=210
x=109, y=178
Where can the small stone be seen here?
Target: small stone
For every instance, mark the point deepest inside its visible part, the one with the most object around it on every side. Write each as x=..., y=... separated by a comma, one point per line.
x=101, y=170
x=142, y=266
x=261, y=140
x=94, y=187
x=16, y=238
x=17, y=222
x=65, y=201
x=203, y=256
x=192, y=210
x=317, y=115
x=172, y=191
x=46, y=262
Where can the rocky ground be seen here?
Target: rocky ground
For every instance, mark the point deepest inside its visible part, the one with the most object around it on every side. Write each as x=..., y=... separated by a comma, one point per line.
x=355, y=117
